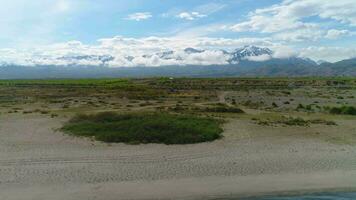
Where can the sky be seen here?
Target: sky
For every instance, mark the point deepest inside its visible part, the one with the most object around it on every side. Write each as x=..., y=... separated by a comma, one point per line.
x=46, y=31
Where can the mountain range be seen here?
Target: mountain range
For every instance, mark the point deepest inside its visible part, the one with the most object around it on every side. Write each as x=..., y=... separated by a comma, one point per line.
x=248, y=61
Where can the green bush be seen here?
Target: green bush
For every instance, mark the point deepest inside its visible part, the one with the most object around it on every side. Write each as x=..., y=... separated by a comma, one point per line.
x=343, y=110
x=292, y=121
x=300, y=106
x=144, y=128
x=224, y=109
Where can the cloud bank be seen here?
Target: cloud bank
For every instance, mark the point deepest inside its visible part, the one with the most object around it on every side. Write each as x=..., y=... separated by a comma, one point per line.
x=290, y=20
x=128, y=52
x=156, y=51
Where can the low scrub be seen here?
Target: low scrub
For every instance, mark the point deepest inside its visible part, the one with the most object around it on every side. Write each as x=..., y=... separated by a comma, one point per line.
x=343, y=110
x=291, y=121
x=222, y=108
x=145, y=128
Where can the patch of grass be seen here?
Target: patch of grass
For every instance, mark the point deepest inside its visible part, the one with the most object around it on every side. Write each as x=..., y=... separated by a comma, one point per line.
x=307, y=108
x=291, y=121
x=294, y=121
x=343, y=110
x=323, y=121
x=222, y=108
x=144, y=128
x=44, y=112
x=27, y=112
x=254, y=105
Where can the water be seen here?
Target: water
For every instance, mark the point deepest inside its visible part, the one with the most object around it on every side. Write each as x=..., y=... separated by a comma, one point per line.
x=324, y=196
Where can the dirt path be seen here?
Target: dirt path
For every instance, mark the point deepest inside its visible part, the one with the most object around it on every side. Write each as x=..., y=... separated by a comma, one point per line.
x=222, y=96
x=36, y=162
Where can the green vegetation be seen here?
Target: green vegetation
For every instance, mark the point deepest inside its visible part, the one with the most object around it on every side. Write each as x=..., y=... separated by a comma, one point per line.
x=294, y=121
x=343, y=110
x=145, y=128
x=267, y=99
x=68, y=82
x=307, y=108
x=223, y=108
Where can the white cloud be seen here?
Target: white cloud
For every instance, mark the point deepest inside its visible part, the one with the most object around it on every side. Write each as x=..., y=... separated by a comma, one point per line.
x=210, y=8
x=331, y=54
x=158, y=51
x=268, y=24
x=190, y=15
x=335, y=34
x=200, y=11
x=300, y=35
x=259, y=58
x=284, y=52
x=127, y=52
x=287, y=20
x=139, y=16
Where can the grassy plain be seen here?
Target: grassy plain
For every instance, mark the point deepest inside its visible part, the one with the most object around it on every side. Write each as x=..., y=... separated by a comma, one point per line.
x=284, y=134
x=264, y=101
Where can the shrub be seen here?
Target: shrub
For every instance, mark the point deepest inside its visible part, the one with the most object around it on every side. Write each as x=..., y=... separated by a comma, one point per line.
x=294, y=121
x=343, y=110
x=309, y=107
x=44, y=112
x=224, y=109
x=144, y=128
x=298, y=121
x=322, y=121
x=300, y=106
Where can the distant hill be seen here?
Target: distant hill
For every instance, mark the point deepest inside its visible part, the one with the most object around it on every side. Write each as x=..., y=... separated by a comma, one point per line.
x=247, y=61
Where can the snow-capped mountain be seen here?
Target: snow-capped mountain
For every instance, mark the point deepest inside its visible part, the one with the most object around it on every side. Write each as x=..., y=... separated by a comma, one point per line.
x=246, y=52
x=70, y=60
x=192, y=50
x=245, y=56
x=253, y=56
x=99, y=58
x=166, y=55
x=320, y=62
x=245, y=61
x=291, y=67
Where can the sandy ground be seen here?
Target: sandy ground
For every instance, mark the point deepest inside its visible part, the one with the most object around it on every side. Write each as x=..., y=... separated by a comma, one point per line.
x=37, y=162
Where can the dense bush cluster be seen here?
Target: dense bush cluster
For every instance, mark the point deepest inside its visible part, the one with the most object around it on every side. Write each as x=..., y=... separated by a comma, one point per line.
x=343, y=110
x=145, y=128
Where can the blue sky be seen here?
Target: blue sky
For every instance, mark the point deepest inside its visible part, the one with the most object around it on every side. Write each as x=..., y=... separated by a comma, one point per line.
x=48, y=21
x=318, y=29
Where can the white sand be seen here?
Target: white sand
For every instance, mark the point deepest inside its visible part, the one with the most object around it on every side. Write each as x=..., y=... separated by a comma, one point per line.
x=37, y=163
